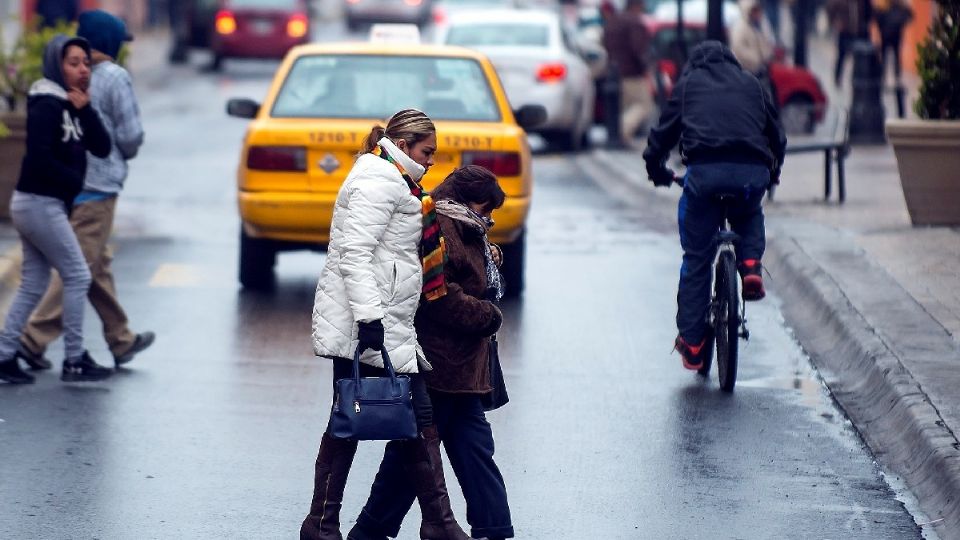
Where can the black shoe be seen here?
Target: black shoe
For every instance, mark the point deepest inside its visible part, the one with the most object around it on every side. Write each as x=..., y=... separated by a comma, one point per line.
x=34, y=360
x=84, y=369
x=10, y=371
x=144, y=340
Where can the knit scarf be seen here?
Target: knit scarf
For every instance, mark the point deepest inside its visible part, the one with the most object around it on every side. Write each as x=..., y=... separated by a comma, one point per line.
x=478, y=225
x=432, y=252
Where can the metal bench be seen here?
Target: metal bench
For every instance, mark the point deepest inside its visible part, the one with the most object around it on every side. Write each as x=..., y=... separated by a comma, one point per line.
x=834, y=142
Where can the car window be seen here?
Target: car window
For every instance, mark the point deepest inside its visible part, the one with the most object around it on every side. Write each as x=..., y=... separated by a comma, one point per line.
x=362, y=86
x=503, y=34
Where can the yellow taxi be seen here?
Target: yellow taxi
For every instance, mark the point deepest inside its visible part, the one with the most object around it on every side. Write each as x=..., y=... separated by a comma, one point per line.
x=304, y=137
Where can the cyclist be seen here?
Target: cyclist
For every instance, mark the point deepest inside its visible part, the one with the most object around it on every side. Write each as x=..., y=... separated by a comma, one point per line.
x=732, y=143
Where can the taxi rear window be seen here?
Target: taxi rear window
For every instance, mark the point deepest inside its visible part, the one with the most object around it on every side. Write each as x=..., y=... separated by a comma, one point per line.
x=369, y=86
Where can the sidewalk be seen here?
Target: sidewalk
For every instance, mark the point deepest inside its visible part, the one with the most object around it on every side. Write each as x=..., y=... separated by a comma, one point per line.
x=874, y=301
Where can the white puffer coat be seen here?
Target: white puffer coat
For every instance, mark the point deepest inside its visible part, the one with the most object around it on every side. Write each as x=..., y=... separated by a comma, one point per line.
x=373, y=268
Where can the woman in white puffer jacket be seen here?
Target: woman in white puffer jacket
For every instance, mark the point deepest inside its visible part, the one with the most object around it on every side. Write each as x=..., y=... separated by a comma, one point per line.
x=383, y=230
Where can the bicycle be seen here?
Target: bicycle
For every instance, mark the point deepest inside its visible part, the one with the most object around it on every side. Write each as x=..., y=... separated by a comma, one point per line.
x=726, y=318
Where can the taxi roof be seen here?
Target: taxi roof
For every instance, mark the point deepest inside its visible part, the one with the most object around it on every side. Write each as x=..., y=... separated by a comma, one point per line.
x=387, y=49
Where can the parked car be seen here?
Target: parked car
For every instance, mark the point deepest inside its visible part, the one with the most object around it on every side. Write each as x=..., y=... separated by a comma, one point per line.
x=444, y=9
x=538, y=61
x=324, y=99
x=191, y=23
x=360, y=12
x=258, y=29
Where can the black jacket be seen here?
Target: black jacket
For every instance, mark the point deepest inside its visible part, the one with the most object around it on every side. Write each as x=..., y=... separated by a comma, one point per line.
x=719, y=113
x=59, y=135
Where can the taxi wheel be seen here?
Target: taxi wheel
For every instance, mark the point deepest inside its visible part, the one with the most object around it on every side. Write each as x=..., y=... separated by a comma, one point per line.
x=513, y=266
x=257, y=259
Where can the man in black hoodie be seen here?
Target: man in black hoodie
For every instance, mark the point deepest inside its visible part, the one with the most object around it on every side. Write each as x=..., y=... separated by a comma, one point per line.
x=61, y=128
x=732, y=143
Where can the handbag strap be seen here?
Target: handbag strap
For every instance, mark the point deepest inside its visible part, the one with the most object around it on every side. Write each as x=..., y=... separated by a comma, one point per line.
x=387, y=364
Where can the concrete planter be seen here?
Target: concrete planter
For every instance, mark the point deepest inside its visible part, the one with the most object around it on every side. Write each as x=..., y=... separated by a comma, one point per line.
x=928, y=157
x=12, y=149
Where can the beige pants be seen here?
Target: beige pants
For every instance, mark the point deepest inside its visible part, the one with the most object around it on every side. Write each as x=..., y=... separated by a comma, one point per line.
x=92, y=222
x=636, y=104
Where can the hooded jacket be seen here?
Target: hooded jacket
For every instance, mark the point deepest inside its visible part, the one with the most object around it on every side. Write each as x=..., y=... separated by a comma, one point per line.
x=373, y=269
x=58, y=134
x=719, y=113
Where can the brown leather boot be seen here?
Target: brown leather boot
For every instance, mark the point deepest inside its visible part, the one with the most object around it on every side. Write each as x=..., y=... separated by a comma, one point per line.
x=425, y=468
x=333, y=466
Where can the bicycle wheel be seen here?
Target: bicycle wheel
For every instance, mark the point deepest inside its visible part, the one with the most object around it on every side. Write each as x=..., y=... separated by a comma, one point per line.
x=727, y=321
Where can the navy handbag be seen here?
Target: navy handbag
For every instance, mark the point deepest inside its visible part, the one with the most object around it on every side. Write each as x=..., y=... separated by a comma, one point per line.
x=373, y=408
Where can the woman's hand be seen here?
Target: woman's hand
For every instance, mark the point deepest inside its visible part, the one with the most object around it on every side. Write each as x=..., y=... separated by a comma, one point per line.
x=78, y=98
x=497, y=254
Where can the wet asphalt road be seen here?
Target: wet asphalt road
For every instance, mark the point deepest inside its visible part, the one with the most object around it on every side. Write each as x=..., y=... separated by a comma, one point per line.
x=212, y=433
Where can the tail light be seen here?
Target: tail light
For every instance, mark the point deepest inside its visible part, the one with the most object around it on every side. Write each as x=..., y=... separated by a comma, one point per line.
x=439, y=15
x=499, y=163
x=413, y=2
x=225, y=22
x=552, y=73
x=297, y=25
x=277, y=158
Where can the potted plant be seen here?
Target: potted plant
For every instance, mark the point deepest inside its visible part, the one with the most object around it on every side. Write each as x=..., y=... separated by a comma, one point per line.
x=21, y=63
x=928, y=148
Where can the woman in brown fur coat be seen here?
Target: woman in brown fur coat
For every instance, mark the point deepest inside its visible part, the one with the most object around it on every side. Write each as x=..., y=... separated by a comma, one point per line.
x=454, y=332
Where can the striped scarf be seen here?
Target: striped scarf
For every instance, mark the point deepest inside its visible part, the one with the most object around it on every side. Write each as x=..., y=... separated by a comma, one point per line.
x=432, y=252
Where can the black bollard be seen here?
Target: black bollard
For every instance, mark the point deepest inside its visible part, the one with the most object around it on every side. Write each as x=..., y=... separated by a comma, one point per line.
x=866, y=111
x=611, y=107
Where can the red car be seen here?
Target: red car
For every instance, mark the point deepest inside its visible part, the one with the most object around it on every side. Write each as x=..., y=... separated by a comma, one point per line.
x=258, y=29
x=802, y=101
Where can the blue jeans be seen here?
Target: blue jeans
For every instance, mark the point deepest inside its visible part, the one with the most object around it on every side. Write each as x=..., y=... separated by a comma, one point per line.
x=48, y=242
x=699, y=217
x=468, y=440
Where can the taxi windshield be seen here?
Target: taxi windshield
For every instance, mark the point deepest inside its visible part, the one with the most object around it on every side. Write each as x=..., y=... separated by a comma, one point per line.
x=369, y=86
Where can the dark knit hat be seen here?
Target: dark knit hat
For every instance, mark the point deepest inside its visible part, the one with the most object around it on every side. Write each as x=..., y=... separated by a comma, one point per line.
x=105, y=32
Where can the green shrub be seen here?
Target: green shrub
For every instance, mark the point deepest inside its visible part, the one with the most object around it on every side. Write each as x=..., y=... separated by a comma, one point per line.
x=938, y=64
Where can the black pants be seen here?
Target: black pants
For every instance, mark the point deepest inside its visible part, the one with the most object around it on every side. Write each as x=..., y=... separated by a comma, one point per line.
x=891, y=44
x=422, y=408
x=468, y=440
x=845, y=42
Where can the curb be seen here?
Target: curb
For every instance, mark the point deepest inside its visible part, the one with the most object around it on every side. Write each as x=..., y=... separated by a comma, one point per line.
x=868, y=378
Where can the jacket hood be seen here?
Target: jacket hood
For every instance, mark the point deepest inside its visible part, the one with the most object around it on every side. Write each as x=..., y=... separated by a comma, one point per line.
x=105, y=32
x=711, y=52
x=53, y=57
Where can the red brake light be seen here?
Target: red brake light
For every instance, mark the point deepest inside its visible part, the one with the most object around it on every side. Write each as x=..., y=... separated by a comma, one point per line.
x=225, y=23
x=499, y=163
x=277, y=158
x=297, y=25
x=551, y=73
x=439, y=15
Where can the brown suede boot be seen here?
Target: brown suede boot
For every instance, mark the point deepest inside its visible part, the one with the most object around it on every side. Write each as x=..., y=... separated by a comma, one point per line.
x=333, y=466
x=425, y=468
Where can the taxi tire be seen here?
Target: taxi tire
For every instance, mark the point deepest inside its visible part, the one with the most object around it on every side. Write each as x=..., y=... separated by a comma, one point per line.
x=257, y=259
x=513, y=266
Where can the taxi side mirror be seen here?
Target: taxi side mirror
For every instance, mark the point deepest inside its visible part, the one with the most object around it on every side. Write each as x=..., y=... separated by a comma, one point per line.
x=530, y=116
x=243, y=108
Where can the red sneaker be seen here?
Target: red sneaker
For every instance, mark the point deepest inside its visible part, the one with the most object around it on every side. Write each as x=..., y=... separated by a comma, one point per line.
x=689, y=354
x=752, y=280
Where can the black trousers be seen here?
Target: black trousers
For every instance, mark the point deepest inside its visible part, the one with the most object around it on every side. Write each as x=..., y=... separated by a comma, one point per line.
x=468, y=440
x=422, y=408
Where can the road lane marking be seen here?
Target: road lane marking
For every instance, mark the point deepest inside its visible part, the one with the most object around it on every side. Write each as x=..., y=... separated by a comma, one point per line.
x=171, y=275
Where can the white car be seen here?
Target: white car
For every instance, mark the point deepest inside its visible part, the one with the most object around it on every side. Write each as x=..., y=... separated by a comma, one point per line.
x=538, y=61
x=695, y=11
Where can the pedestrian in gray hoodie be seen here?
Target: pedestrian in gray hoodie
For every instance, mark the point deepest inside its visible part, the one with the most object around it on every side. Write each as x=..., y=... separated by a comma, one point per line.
x=61, y=128
x=113, y=98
